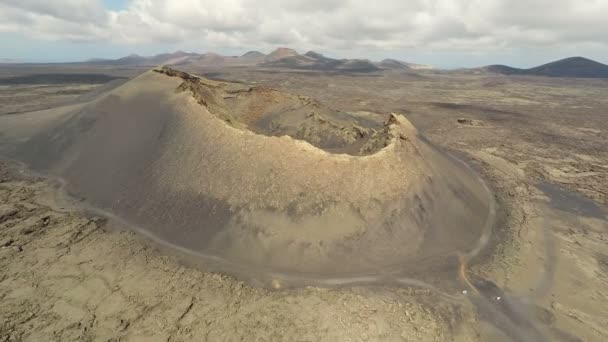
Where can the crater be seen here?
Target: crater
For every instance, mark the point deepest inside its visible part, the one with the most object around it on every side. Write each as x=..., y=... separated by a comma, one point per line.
x=252, y=180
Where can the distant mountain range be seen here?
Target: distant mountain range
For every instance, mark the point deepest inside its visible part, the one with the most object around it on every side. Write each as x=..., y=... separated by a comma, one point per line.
x=568, y=67
x=316, y=61
x=289, y=59
x=181, y=58
x=281, y=58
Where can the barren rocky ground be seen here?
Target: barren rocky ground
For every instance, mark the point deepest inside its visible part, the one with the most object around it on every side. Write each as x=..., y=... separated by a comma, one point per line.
x=539, y=142
x=65, y=277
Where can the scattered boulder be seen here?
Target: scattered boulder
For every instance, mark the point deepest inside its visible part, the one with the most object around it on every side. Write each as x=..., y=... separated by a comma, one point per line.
x=7, y=211
x=470, y=122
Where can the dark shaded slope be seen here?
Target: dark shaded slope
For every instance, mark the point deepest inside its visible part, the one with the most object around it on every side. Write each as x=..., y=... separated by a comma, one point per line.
x=569, y=67
x=504, y=69
x=572, y=67
x=392, y=64
x=253, y=54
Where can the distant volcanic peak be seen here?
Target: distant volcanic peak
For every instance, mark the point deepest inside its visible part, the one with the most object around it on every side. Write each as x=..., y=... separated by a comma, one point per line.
x=393, y=64
x=253, y=54
x=360, y=65
x=314, y=54
x=573, y=62
x=572, y=67
x=320, y=57
x=281, y=53
x=211, y=54
x=567, y=67
x=316, y=62
x=577, y=59
x=132, y=58
x=391, y=60
x=180, y=53
x=177, y=54
x=285, y=51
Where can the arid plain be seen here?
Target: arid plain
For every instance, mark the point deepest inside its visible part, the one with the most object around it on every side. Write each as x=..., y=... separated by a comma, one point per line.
x=539, y=142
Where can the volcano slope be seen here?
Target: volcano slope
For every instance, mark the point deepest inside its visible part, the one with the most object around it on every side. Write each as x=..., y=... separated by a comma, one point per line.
x=253, y=179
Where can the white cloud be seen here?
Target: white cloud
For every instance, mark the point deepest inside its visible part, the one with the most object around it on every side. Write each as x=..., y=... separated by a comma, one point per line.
x=73, y=20
x=69, y=10
x=328, y=25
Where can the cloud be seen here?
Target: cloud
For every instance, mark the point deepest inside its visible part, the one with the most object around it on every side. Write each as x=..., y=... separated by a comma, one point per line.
x=73, y=20
x=68, y=10
x=328, y=25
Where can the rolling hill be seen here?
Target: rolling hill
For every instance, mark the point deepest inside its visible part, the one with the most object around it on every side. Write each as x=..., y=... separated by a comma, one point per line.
x=253, y=54
x=281, y=53
x=314, y=61
x=568, y=67
x=393, y=64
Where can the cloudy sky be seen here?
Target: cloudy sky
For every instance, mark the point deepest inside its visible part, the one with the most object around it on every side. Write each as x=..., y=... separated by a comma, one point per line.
x=445, y=33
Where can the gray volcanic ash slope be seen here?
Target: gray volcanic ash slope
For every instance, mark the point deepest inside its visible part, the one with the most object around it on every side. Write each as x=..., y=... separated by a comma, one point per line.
x=262, y=179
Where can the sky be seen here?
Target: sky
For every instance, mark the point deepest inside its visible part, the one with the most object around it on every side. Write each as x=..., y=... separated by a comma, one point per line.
x=443, y=33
